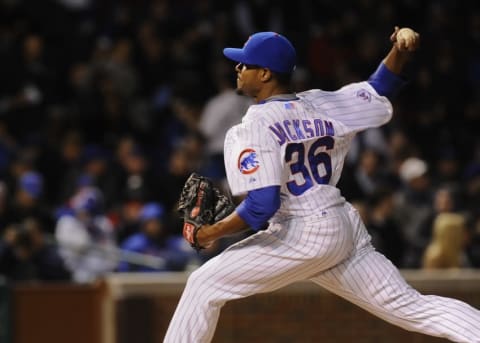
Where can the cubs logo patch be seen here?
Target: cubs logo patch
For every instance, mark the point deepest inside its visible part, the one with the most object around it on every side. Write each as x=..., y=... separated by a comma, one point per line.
x=247, y=161
x=364, y=95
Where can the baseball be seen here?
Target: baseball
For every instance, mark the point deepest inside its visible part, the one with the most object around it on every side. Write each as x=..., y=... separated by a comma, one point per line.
x=406, y=39
x=405, y=34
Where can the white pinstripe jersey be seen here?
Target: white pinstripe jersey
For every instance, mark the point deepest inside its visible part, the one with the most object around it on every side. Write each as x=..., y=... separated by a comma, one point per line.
x=301, y=145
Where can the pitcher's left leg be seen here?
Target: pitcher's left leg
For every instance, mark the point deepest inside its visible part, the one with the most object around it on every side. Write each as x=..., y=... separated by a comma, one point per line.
x=264, y=262
x=369, y=280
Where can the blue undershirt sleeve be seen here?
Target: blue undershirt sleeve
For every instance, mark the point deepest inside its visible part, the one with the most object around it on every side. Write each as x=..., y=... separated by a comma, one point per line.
x=385, y=82
x=259, y=206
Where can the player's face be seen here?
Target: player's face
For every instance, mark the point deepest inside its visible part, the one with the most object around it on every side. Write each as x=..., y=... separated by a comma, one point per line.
x=248, y=82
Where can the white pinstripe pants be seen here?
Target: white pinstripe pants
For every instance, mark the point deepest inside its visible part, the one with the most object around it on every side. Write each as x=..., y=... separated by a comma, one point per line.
x=333, y=251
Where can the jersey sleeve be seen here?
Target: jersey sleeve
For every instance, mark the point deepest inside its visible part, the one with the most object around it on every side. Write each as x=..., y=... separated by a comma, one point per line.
x=252, y=158
x=358, y=106
x=385, y=82
x=367, y=108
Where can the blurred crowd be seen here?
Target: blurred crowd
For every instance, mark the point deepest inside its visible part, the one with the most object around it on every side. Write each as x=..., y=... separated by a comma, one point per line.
x=106, y=107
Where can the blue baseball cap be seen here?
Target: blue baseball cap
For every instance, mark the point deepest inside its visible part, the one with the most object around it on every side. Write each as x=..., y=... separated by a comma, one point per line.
x=87, y=199
x=152, y=211
x=32, y=183
x=266, y=49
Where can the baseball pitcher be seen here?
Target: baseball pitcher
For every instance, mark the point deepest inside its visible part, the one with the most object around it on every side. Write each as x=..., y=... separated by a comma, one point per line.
x=287, y=156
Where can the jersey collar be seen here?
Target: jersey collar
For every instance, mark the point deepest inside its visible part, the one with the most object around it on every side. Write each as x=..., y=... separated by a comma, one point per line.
x=280, y=97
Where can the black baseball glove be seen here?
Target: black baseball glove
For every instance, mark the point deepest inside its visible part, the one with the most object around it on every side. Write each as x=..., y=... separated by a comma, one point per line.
x=201, y=203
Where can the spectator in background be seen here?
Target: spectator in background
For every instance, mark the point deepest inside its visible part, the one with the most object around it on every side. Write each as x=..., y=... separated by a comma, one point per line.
x=102, y=70
x=447, y=168
x=32, y=85
x=135, y=177
x=86, y=237
x=473, y=246
x=252, y=16
x=4, y=210
x=447, y=248
x=65, y=166
x=154, y=58
x=445, y=200
x=471, y=186
x=177, y=126
x=153, y=239
x=371, y=139
x=127, y=218
x=97, y=172
x=363, y=179
x=220, y=113
x=27, y=202
x=135, y=190
x=169, y=184
x=27, y=254
x=387, y=236
x=413, y=202
x=400, y=147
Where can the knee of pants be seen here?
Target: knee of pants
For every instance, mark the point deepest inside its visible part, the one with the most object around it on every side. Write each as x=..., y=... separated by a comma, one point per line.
x=409, y=304
x=205, y=290
x=195, y=278
x=200, y=278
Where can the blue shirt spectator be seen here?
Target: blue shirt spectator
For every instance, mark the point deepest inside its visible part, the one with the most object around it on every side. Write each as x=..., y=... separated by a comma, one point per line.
x=153, y=240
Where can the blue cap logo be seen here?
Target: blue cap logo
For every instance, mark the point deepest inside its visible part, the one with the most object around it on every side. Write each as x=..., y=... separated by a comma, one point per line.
x=266, y=49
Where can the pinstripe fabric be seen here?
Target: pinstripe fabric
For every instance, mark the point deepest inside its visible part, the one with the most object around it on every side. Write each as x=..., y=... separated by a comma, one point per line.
x=344, y=109
x=331, y=252
x=371, y=281
x=315, y=234
x=264, y=262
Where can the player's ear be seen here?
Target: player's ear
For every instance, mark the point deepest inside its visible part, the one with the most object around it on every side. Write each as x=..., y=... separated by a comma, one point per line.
x=265, y=75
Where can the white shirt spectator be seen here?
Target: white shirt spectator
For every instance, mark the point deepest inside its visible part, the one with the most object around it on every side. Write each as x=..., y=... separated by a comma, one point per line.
x=221, y=113
x=84, y=248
